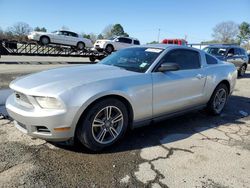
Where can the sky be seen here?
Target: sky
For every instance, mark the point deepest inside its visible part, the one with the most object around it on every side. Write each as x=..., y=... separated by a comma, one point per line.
x=142, y=19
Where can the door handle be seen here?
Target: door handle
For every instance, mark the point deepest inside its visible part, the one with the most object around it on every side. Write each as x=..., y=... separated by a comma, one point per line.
x=199, y=76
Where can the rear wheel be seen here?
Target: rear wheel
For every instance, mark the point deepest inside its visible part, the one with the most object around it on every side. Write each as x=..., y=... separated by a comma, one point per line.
x=103, y=125
x=242, y=70
x=44, y=40
x=109, y=48
x=218, y=99
x=80, y=46
x=92, y=58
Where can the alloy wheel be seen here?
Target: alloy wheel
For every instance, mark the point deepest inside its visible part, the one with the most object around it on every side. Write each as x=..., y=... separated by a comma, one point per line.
x=220, y=100
x=107, y=125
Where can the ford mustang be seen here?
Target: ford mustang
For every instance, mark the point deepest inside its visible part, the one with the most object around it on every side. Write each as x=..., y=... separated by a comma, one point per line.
x=96, y=104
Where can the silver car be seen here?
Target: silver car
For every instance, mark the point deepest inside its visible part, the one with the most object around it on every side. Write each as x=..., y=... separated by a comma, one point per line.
x=132, y=87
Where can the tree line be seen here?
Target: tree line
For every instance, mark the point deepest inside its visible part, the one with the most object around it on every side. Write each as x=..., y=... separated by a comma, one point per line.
x=20, y=30
x=230, y=32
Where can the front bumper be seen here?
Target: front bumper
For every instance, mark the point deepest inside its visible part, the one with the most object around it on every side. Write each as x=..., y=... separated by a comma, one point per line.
x=34, y=37
x=51, y=125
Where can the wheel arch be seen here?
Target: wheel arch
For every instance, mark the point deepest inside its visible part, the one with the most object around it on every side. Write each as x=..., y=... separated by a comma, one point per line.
x=227, y=83
x=123, y=99
x=80, y=41
x=109, y=44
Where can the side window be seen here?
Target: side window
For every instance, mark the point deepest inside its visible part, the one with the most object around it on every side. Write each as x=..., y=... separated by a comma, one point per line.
x=231, y=51
x=129, y=41
x=121, y=39
x=186, y=59
x=73, y=34
x=237, y=51
x=65, y=33
x=125, y=40
x=136, y=42
x=243, y=52
x=211, y=60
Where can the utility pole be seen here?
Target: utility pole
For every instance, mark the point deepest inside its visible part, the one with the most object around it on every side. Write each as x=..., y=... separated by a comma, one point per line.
x=159, y=31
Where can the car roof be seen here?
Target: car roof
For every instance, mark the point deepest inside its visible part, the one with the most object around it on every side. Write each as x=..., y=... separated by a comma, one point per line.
x=67, y=31
x=126, y=37
x=165, y=46
x=222, y=46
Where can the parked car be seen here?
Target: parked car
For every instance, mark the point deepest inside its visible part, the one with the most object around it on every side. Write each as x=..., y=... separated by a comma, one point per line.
x=233, y=54
x=61, y=37
x=132, y=87
x=115, y=43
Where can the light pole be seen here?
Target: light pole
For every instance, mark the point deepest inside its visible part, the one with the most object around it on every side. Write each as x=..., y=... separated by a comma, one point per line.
x=159, y=31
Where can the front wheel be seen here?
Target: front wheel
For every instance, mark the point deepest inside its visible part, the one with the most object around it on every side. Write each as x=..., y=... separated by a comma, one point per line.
x=218, y=99
x=109, y=49
x=103, y=125
x=44, y=40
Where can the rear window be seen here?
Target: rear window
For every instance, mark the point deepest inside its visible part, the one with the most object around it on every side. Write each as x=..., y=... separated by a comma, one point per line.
x=211, y=60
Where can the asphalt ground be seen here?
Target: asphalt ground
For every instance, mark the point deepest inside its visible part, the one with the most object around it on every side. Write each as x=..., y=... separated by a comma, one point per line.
x=193, y=150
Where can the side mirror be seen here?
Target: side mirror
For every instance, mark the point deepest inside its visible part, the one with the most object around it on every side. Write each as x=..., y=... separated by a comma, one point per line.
x=230, y=55
x=168, y=67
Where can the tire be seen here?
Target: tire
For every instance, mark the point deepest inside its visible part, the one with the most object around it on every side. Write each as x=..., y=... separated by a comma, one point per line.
x=44, y=40
x=80, y=46
x=109, y=48
x=92, y=59
x=242, y=70
x=214, y=106
x=96, y=131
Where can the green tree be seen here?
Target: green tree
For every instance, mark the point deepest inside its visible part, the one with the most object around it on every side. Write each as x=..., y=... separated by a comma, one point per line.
x=244, y=32
x=225, y=32
x=41, y=29
x=90, y=36
x=100, y=36
x=118, y=30
x=114, y=30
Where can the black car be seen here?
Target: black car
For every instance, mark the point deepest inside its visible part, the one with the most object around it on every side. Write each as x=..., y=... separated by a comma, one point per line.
x=230, y=53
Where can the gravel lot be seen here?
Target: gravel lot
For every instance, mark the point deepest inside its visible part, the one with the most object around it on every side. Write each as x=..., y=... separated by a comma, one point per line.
x=194, y=150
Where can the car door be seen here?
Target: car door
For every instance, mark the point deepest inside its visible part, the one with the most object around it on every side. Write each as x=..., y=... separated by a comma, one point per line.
x=182, y=89
x=233, y=56
x=72, y=39
x=67, y=40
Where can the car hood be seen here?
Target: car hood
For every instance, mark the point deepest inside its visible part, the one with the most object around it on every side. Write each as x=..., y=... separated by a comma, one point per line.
x=56, y=81
x=38, y=32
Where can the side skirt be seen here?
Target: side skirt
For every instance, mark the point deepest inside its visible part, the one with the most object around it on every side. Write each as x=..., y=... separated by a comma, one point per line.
x=165, y=116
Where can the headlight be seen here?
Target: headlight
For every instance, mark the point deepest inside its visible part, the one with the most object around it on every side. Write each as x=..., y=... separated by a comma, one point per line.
x=49, y=102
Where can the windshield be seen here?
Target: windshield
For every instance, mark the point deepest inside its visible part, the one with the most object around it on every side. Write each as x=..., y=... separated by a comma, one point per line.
x=216, y=51
x=133, y=59
x=54, y=31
